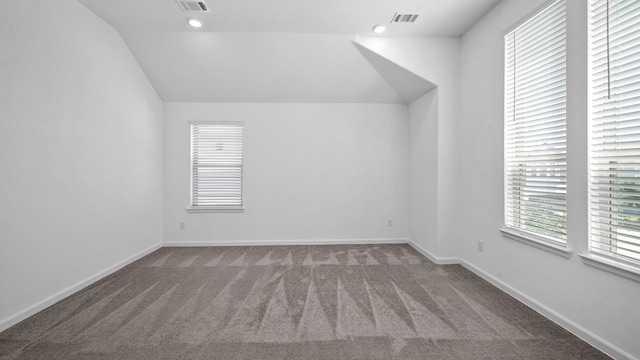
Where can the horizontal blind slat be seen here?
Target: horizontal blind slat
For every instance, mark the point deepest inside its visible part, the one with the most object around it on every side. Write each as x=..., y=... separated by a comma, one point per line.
x=216, y=165
x=614, y=161
x=535, y=124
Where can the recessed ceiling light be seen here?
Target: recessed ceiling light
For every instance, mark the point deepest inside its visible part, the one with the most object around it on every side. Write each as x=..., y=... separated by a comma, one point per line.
x=194, y=22
x=379, y=29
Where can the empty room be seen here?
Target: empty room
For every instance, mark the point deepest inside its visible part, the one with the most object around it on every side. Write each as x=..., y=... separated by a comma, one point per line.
x=290, y=179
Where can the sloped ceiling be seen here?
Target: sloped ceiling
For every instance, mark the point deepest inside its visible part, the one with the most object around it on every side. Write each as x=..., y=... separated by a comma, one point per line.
x=277, y=50
x=258, y=67
x=408, y=85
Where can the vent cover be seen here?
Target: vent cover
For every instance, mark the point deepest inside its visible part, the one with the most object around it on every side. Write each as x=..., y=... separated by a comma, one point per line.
x=404, y=18
x=193, y=6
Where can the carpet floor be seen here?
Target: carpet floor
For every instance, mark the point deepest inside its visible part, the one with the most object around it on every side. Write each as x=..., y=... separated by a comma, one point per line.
x=291, y=302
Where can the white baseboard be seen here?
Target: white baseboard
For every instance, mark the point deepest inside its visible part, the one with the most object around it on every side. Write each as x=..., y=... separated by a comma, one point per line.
x=433, y=258
x=570, y=326
x=567, y=324
x=41, y=305
x=286, y=242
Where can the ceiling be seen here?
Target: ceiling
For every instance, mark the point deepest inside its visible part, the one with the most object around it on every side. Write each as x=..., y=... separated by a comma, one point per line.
x=436, y=17
x=275, y=50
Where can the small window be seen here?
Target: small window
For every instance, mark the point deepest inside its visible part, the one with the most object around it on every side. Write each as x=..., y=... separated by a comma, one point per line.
x=535, y=127
x=216, y=166
x=614, y=164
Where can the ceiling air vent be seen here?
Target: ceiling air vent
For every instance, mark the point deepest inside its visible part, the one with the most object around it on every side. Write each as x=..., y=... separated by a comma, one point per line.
x=193, y=6
x=404, y=18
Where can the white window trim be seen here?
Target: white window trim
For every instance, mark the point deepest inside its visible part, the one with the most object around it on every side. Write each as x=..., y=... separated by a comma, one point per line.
x=203, y=209
x=528, y=17
x=537, y=241
x=595, y=258
x=613, y=266
x=200, y=209
x=555, y=246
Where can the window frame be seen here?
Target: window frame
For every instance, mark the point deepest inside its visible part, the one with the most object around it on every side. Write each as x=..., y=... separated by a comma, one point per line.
x=191, y=208
x=554, y=245
x=600, y=259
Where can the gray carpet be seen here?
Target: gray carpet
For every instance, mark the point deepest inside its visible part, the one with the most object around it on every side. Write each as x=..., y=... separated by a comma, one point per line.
x=290, y=302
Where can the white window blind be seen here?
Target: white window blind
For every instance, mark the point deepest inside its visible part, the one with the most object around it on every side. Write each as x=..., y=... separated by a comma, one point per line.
x=615, y=129
x=216, y=166
x=535, y=125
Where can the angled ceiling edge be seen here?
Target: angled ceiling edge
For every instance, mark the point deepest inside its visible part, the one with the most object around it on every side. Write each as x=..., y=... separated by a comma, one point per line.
x=406, y=83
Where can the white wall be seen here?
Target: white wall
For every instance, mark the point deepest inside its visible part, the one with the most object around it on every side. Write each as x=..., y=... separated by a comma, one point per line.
x=423, y=156
x=599, y=306
x=311, y=172
x=80, y=153
x=433, y=129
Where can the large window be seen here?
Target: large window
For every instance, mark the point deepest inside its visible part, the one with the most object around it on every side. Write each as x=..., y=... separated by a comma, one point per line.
x=615, y=130
x=535, y=126
x=216, y=166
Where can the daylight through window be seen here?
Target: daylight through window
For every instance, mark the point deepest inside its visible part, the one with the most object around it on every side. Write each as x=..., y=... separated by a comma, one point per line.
x=216, y=166
x=535, y=126
x=615, y=129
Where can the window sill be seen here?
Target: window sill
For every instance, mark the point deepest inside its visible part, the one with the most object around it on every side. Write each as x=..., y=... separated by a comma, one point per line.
x=536, y=242
x=214, y=210
x=612, y=266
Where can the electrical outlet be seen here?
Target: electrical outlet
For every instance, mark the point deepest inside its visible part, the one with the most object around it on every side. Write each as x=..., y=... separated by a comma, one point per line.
x=390, y=222
x=182, y=225
x=480, y=245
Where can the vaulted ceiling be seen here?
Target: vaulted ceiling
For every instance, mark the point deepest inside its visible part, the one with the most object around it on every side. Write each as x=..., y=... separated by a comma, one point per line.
x=279, y=50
